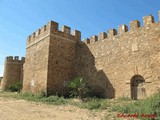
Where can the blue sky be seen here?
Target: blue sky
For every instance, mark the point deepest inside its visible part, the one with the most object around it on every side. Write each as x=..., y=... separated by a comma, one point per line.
x=19, y=18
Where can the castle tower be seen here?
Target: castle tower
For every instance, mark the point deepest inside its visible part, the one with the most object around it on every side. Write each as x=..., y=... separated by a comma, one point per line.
x=50, y=56
x=13, y=71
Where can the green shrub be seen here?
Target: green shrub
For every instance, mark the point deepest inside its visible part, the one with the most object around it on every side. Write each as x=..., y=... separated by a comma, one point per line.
x=15, y=87
x=79, y=88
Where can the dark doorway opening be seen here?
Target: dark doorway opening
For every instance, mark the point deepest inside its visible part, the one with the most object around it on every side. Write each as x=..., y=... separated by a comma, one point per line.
x=138, y=87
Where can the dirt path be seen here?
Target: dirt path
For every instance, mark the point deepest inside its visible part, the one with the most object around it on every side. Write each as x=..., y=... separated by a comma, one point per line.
x=12, y=109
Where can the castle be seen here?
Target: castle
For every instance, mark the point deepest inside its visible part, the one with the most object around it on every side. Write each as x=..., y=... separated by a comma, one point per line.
x=124, y=63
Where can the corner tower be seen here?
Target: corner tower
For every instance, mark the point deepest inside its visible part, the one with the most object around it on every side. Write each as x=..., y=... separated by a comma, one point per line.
x=50, y=57
x=13, y=71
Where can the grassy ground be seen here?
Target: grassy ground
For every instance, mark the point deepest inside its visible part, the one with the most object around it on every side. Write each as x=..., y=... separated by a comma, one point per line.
x=146, y=109
x=143, y=109
x=90, y=103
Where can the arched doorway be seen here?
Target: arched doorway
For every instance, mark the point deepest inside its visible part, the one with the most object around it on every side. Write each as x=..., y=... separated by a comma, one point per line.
x=138, y=87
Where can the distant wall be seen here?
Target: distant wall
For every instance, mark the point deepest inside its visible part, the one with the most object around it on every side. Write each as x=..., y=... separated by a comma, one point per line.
x=13, y=71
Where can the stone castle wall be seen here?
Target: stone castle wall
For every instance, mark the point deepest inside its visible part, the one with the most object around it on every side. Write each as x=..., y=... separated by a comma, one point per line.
x=111, y=60
x=13, y=71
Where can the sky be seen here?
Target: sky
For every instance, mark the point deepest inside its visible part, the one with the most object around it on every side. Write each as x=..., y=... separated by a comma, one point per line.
x=20, y=18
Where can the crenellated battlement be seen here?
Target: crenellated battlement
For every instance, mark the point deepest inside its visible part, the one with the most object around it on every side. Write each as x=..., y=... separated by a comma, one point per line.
x=122, y=29
x=51, y=28
x=15, y=59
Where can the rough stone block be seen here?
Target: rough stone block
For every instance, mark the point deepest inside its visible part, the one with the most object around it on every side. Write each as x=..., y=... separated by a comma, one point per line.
x=93, y=39
x=102, y=36
x=87, y=41
x=112, y=32
x=66, y=29
x=134, y=24
x=147, y=20
x=122, y=29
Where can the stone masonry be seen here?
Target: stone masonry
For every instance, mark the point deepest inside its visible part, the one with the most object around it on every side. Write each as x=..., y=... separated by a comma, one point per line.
x=124, y=63
x=116, y=64
x=50, y=59
x=13, y=71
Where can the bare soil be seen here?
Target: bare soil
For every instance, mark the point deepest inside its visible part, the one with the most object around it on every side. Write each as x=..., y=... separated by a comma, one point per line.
x=13, y=109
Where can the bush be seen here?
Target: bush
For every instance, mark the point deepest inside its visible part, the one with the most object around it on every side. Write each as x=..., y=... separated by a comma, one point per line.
x=79, y=88
x=15, y=87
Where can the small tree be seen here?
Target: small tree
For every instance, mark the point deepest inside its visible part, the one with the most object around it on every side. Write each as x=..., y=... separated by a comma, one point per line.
x=79, y=88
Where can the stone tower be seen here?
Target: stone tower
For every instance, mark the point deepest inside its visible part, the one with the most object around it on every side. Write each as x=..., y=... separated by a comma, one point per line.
x=13, y=71
x=50, y=58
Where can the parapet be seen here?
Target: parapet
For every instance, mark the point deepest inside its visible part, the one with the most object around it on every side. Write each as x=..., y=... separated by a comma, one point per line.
x=76, y=34
x=147, y=20
x=122, y=29
x=51, y=28
x=93, y=39
x=86, y=40
x=102, y=36
x=134, y=24
x=112, y=32
x=66, y=30
x=15, y=59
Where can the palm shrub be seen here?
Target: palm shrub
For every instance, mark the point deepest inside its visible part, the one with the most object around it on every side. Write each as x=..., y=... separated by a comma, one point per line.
x=16, y=87
x=79, y=88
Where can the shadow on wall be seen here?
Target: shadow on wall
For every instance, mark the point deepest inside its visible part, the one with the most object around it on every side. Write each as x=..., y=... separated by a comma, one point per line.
x=85, y=67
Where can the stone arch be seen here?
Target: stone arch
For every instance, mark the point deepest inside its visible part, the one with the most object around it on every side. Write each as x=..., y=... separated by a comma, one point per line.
x=137, y=85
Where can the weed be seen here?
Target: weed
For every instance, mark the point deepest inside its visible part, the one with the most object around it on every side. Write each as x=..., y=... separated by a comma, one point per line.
x=16, y=87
